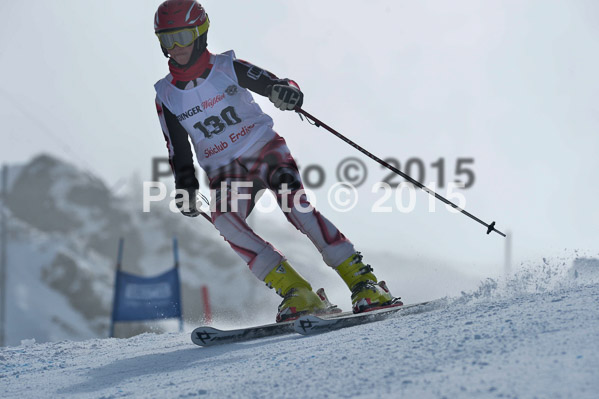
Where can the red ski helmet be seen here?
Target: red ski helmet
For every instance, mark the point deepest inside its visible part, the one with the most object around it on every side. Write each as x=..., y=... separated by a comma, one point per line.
x=180, y=14
x=186, y=21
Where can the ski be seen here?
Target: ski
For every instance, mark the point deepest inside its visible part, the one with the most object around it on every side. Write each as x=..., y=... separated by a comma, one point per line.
x=208, y=336
x=311, y=324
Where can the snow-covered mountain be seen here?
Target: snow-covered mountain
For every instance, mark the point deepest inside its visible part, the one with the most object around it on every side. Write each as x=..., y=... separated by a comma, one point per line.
x=64, y=226
x=535, y=335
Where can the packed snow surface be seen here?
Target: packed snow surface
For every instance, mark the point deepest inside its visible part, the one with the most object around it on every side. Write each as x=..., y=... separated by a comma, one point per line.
x=535, y=335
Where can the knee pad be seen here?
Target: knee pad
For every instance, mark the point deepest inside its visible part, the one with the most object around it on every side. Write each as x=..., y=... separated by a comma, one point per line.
x=287, y=175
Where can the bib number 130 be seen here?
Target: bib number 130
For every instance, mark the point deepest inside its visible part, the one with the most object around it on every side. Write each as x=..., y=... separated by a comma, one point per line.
x=215, y=124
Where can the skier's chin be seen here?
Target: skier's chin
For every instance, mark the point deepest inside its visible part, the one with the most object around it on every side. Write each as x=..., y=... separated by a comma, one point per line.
x=182, y=59
x=181, y=55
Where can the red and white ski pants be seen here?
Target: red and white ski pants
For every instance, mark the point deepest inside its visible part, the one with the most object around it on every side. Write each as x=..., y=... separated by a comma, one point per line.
x=270, y=167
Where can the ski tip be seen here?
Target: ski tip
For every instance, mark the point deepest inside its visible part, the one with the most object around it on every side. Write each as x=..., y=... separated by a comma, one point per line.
x=208, y=328
x=203, y=335
x=309, y=324
x=303, y=325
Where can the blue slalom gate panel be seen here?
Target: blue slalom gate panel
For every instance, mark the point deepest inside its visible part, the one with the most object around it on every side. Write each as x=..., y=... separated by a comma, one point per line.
x=147, y=298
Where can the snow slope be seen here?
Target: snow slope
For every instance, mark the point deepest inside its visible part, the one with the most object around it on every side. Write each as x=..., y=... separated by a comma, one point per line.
x=534, y=335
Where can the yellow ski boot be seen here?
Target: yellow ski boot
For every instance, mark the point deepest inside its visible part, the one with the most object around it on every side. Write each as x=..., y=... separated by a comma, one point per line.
x=366, y=292
x=298, y=298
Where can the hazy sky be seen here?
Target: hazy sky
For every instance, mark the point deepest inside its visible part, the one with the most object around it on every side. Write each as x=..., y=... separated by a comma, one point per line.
x=511, y=84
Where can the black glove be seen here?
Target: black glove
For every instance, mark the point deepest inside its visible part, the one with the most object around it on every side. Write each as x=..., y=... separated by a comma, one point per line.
x=186, y=202
x=286, y=97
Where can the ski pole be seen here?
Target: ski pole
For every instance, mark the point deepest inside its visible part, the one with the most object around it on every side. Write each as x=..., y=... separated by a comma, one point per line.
x=204, y=214
x=318, y=123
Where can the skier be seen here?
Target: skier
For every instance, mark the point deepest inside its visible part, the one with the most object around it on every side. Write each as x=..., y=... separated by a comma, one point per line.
x=206, y=97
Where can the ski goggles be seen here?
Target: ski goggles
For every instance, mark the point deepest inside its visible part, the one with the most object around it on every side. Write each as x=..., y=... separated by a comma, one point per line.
x=181, y=37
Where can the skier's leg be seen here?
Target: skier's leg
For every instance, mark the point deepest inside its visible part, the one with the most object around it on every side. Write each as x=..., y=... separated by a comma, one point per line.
x=232, y=205
x=277, y=168
x=229, y=213
x=264, y=260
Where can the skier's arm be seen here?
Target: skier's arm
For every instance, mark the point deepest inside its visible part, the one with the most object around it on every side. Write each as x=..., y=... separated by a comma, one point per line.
x=284, y=93
x=180, y=158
